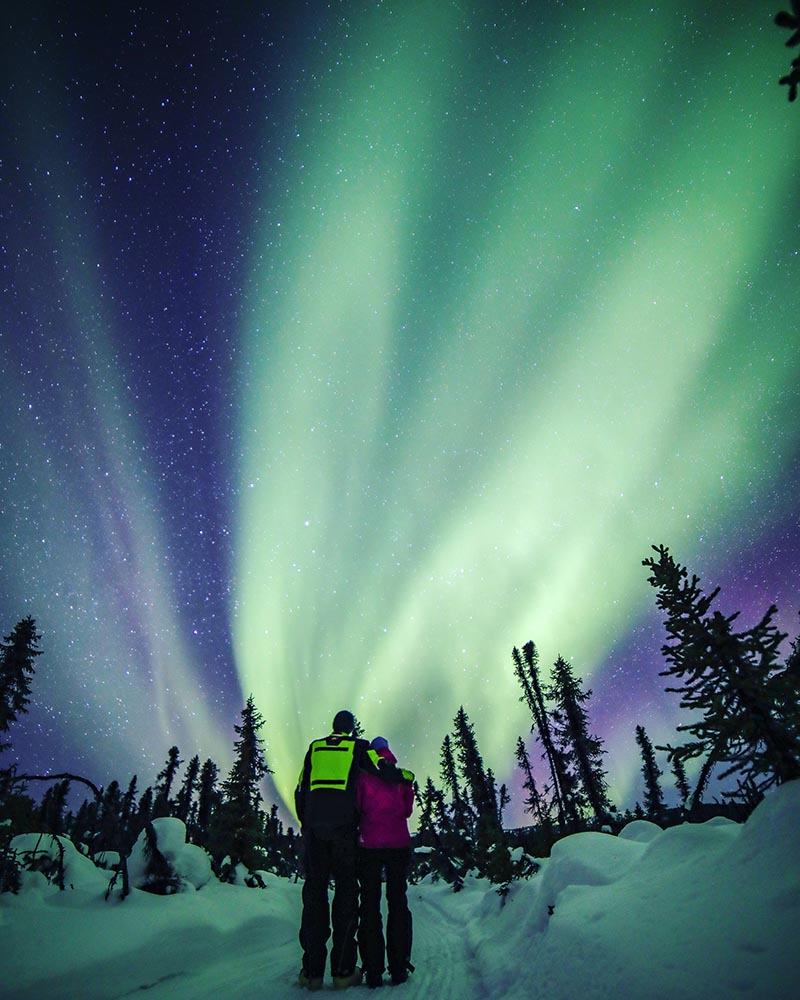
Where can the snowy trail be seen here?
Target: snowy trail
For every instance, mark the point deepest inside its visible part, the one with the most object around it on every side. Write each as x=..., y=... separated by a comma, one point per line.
x=443, y=964
x=260, y=959
x=198, y=963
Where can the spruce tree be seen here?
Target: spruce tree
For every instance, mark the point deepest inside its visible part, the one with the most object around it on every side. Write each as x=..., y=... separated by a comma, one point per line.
x=526, y=668
x=489, y=846
x=109, y=828
x=463, y=818
x=503, y=799
x=653, y=795
x=452, y=854
x=534, y=801
x=144, y=812
x=681, y=781
x=426, y=804
x=208, y=799
x=239, y=831
x=162, y=804
x=731, y=681
x=50, y=815
x=127, y=814
x=784, y=691
x=84, y=828
x=183, y=800
x=482, y=795
x=17, y=653
x=249, y=769
x=581, y=752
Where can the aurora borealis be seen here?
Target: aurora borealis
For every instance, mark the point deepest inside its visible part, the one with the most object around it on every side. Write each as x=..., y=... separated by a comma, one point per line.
x=346, y=346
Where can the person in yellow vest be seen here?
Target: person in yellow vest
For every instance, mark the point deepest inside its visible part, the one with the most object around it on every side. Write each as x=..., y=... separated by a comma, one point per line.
x=325, y=802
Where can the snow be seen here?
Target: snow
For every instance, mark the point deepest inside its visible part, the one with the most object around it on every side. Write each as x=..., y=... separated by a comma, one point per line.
x=707, y=911
x=191, y=864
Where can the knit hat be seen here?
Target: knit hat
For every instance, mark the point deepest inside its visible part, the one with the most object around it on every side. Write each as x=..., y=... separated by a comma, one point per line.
x=343, y=722
x=380, y=743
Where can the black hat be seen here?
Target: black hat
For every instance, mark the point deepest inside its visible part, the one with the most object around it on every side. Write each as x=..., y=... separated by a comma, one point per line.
x=344, y=722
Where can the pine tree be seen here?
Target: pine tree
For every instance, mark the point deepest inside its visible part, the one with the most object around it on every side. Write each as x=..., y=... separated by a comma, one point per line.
x=50, y=815
x=243, y=785
x=208, y=799
x=463, y=818
x=239, y=831
x=653, y=795
x=730, y=680
x=109, y=828
x=581, y=752
x=534, y=801
x=784, y=691
x=436, y=830
x=489, y=852
x=127, y=814
x=784, y=19
x=84, y=827
x=526, y=668
x=426, y=803
x=183, y=800
x=482, y=795
x=681, y=782
x=273, y=827
x=503, y=799
x=17, y=653
x=144, y=812
x=162, y=804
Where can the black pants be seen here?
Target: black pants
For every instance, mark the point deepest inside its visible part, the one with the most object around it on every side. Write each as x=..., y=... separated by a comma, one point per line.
x=327, y=859
x=371, y=863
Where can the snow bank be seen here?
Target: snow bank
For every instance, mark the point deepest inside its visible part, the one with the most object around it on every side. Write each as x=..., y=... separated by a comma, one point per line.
x=640, y=830
x=696, y=911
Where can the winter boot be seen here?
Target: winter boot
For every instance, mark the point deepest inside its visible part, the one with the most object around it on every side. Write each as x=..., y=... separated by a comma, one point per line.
x=309, y=982
x=343, y=982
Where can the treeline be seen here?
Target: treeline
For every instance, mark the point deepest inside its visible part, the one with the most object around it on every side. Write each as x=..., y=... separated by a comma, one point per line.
x=223, y=816
x=744, y=727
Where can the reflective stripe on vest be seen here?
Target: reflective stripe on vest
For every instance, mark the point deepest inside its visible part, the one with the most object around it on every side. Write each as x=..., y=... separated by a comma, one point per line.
x=331, y=763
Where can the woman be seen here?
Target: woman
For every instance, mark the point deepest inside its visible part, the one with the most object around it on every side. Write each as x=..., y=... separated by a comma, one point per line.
x=384, y=843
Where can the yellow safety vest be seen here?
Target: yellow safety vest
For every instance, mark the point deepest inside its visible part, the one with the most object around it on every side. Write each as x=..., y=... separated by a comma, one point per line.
x=331, y=763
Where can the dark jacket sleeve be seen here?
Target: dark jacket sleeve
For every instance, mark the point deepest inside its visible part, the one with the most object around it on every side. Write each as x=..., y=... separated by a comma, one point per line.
x=301, y=791
x=372, y=763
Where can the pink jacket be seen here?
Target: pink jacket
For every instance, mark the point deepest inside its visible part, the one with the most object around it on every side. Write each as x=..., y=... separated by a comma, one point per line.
x=384, y=809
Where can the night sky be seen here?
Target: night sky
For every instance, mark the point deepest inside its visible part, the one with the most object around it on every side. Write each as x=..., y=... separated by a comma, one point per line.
x=345, y=346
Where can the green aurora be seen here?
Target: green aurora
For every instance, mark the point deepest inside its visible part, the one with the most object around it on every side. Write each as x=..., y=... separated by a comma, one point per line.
x=520, y=312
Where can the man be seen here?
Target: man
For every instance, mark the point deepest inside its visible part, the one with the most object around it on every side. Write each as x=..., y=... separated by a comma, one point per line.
x=325, y=801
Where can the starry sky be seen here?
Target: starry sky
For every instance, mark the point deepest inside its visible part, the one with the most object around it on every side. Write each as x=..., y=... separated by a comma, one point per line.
x=345, y=346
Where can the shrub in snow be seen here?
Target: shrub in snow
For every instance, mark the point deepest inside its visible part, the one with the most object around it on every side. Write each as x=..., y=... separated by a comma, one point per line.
x=108, y=860
x=162, y=862
x=10, y=879
x=59, y=860
x=240, y=874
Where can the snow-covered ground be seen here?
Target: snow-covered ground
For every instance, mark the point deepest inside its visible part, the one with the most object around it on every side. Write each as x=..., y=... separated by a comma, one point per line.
x=705, y=911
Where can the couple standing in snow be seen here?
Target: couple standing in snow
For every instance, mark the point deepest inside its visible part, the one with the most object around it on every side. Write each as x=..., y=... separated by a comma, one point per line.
x=353, y=803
